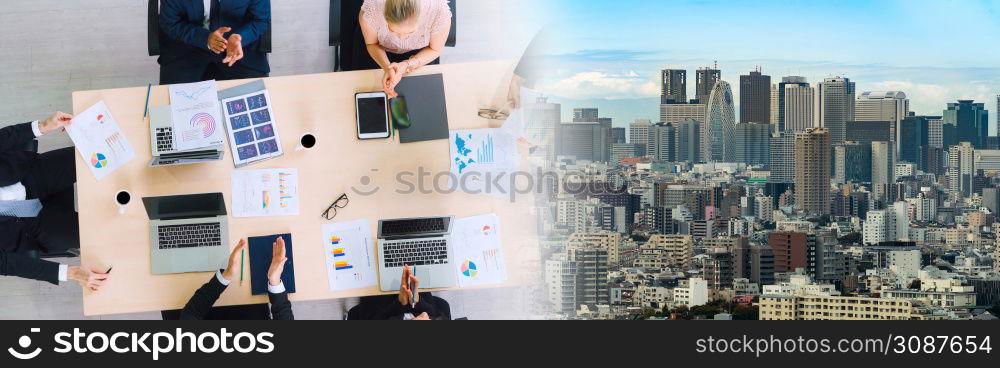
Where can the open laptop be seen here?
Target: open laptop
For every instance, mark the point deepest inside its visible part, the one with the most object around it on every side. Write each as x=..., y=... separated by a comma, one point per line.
x=422, y=244
x=165, y=153
x=188, y=233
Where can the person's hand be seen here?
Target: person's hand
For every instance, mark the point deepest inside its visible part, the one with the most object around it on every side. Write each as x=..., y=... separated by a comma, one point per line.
x=92, y=280
x=278, y=261
x=217, y=40
x=388, y=76
x=406, y=296
x=234, y=260
x=422, y=317
x=234, y=50
x=57, y=121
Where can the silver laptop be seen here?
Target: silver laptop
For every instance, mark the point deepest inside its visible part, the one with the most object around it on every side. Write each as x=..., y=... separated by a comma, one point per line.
x=188, y=233
x=422, y=244
x=165, y=153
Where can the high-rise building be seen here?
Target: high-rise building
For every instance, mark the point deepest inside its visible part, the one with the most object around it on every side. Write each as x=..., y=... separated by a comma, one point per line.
x=961, y=169
x=883, y=169
x=675, y=113
x=753, y=143
x=543, y=119
x=674, y=86
x=585, y=114
x=812, y=171
x=677, y=249
x=688, y=141
x=638, y=135
x=705, y=82
x=717, y=142
x=591, y=265
x=852, y=163
x=584, y=140
x=621, y=151
x=782, y=162
x=618, y=135
x=790, y=250
x=662, y=145
x=890, y=224
x=914, y=140
x=800, y=115
x=866, y=132
x=836, y=106
x=890, y=106
x=755, y=98
x=774, y=105
x=970, y=121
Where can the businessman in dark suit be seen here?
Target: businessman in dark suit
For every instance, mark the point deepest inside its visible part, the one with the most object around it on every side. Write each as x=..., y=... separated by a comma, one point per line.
x=17, y=265
x=212, y=39
x=200, y=305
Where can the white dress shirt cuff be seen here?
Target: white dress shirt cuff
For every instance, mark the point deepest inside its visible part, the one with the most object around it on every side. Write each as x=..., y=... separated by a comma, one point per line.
x=63, y=273
x=35, y=129
x=276, y=289
x=222, y=280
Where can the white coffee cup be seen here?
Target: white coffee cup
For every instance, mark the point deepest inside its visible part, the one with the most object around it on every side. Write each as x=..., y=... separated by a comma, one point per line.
x=307, y=142
x=122, y=199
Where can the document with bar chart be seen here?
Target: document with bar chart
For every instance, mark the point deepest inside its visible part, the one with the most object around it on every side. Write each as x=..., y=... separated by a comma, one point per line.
x=100, y=140
x=262, y=193
x=479, y=155
x=350, y=262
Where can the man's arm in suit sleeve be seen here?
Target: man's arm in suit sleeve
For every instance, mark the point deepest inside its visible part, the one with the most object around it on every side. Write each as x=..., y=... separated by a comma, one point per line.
x=174, y=23
x=13, y=140
x=29, y=268
x=16, y=137
x=202, y=301
x=281, y=308
x=260, y=22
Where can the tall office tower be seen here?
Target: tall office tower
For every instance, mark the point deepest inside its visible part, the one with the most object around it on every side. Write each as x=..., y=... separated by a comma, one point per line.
x=883, y=169
x=621, y=151
x=753, y=143
x=998, y=124
x=618, y=135
x=586, y=114
x=705, y=82
x=675, y=113
x=836, y=106
x=560, y=282
x=782, y=162
x=971, y=123
x=866, y=132
x=991, y=199
x=935, y=131
x=890, y=106
x=852, y=163
x=961, y=169
x=914, y=140
x=591, y=264
x=798, y=101
x=789, y=250
x=674, y=86
x=638, y=134
x=755, y=98
x=774, y=105
x=688, y=141
x=717, y=142
x=812, y=171
x=584, y=140
x=662, y=145
x=543, y=120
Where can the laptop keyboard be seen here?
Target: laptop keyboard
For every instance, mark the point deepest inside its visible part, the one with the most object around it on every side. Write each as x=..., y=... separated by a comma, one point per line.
x=190, y=236
x=392, y=228
x=164, y=139
x=417, y=252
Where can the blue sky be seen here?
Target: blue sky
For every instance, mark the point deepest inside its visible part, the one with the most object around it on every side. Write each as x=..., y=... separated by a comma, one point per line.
x=608, y=53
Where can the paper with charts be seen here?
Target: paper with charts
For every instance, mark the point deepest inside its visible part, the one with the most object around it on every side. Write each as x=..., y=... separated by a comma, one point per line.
x=478, y=251
x=269, y=192
x=100, y=140
x=196, y=115
x=478, y=155
x=350, y=263
x=253, y=130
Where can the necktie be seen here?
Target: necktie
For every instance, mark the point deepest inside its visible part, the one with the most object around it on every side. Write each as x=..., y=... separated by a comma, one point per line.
x=28, y=208
x=214, y=20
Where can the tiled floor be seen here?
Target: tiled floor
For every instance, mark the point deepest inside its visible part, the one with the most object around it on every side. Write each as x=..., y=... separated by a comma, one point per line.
x=50, y=48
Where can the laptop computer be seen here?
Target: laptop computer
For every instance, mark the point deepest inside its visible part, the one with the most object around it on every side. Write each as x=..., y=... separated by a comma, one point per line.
x=422, y=244
x=165, y=153
x=188, y=233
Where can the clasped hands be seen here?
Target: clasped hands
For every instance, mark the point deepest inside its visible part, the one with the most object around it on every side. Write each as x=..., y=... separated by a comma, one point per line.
x=233, y=46
x=394, y=73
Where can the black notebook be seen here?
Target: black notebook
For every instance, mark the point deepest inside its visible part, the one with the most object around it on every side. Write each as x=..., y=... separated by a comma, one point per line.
x=426, y=104
x=260, y=260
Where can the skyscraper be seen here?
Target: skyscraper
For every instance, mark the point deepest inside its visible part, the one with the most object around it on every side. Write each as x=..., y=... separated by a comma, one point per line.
x=798, y=103
x=584, y=140
x=836, y=106
x=852, y=163
x=662, y=143
x=755, y=98
x=718, y=145
x=891, y=106
x=883, y=169
x=688, y=141
x=675, y=113
x=812, y=171
x=961, y=169
x=618, y=135
x=706, y=79
x=914, y=140
x=866, y=132
x=543, y=120
x=782, y=158
x=674, y=86
x=753, y=143
x=971, y=123
x=586, y=114
x=638, y=135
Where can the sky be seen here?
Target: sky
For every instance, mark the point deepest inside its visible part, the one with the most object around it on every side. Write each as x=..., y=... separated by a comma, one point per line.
x=608, y=54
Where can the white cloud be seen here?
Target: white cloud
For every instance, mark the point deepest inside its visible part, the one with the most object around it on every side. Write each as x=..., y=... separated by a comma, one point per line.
x=602, y=84
x=932, y=98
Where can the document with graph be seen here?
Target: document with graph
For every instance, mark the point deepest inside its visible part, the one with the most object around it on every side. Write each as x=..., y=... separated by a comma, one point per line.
x=478, y=156
x=197, y=117
x=100, y=140
x=478, y=256
x=350, y=258
x=262, y=193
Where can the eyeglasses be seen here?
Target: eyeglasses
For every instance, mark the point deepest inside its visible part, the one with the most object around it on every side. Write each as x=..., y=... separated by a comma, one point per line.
x=331, y=212
x=493, y=114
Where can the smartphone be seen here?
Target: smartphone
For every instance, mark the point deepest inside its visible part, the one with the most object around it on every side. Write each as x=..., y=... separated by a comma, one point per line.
x=372, y=115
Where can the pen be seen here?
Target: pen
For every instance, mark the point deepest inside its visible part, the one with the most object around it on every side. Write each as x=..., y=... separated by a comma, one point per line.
x=149, y=90
x=242, y=252
x=413, y=290
x=109, y=270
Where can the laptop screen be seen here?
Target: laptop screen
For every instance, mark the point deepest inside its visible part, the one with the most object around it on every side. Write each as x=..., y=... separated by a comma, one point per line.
x=185, y=206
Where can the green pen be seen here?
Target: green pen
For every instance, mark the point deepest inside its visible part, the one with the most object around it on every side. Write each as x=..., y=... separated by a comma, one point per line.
x=242, y=253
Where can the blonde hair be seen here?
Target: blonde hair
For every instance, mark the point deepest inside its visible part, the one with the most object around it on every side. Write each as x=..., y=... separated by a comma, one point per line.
x=399, y=11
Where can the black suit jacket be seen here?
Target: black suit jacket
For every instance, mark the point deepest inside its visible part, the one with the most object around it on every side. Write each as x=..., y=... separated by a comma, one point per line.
x=12, y=264
x=204, y=298
x=15, y=162
x=184, y=36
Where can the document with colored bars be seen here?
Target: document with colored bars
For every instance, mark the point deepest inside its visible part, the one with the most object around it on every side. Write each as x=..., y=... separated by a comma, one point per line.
x=479, y=258
x=268, y=192
x=350, y=262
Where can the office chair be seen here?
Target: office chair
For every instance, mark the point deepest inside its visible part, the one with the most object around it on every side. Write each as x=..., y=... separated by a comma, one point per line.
x=153, y=33
x=250, y=312
x=345, y=30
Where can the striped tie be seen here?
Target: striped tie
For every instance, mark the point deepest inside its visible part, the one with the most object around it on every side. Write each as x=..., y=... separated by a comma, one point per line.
x=28, y=208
